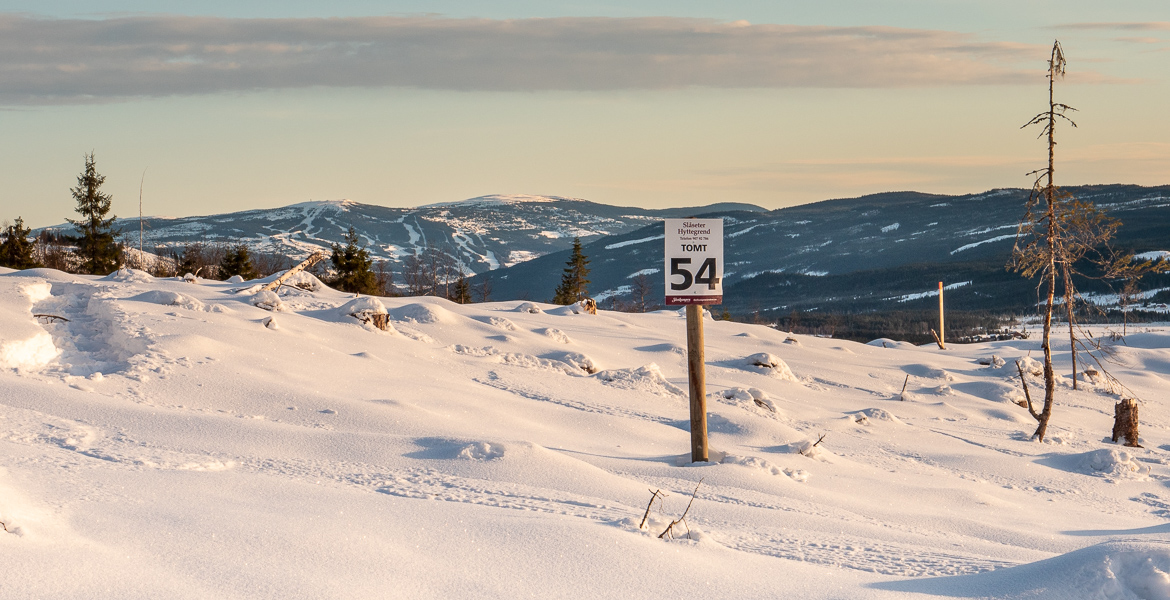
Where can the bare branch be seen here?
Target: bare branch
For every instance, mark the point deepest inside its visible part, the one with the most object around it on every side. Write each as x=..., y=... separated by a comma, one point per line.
x=1027, y=394
x=655, y=494
x=683, y=519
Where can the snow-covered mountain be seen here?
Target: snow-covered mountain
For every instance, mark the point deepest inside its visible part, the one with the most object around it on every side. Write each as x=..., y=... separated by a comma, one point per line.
x=880, y=251
x=486, y=233
x=166, y=439
x=876, y=252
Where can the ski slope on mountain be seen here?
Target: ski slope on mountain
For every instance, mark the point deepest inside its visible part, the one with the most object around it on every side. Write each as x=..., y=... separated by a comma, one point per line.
x=161, y=438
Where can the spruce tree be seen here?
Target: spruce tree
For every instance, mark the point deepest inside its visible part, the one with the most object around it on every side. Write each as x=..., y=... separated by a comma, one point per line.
x=237, y=261
x=96, y=246
x=191, y=261
x=16, y=251
x=461, y=293
x=353, y=266
x=574, y=282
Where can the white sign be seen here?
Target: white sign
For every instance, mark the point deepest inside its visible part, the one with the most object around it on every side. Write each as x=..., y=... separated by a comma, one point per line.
x=694, y=261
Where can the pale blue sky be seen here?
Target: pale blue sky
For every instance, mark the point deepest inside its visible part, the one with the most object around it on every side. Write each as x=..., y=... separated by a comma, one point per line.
x=233, y=105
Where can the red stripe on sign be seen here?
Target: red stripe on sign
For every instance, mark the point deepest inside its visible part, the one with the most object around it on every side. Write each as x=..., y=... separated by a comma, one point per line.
x=687, y=300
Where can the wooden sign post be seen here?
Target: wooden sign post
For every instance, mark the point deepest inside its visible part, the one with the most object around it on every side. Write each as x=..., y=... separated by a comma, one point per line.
x=694, y=277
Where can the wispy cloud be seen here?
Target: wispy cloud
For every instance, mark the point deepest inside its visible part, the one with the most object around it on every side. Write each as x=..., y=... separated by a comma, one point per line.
x=1107, y=26
x=66, y=60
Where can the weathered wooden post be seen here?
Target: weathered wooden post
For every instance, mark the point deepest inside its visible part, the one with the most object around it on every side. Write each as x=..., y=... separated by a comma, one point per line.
x=694, y=268
x=942, y=337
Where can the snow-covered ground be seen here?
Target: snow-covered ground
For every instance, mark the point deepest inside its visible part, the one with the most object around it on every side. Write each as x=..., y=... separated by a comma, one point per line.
x=173, y=440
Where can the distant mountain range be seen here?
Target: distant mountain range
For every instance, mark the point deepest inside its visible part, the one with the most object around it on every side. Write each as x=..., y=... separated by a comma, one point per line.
x=485, y=233
x=878, y=252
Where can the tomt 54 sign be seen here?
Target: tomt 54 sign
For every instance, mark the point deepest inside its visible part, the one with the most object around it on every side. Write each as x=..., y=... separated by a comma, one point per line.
x=694, y=261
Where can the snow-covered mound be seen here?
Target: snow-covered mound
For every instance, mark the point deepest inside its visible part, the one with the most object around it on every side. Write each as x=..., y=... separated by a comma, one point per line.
x=160, y=438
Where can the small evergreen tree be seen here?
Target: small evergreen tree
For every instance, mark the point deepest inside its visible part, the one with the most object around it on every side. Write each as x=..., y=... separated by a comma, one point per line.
x=99, y=252
x=191, y=260
x=16, y=251
x=237, y=261
x=574, y=282
x=353, y=266
x=461, y=293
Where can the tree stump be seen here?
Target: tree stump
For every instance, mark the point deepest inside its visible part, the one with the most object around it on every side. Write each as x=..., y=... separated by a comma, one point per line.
x=1125, y=422
x=379, y=320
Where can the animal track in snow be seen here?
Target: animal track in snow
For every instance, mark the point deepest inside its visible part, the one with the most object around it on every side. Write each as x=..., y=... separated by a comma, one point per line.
x=98, y=337
x=597, y=408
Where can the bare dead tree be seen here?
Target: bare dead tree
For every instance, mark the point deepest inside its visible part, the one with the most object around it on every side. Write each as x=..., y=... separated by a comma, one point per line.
x=1056, y=232
x=384, y=279
x=640, y=291
x=484, y=290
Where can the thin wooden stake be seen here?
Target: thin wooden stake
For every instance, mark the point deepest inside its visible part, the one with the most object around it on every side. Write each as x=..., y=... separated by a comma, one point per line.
x=941, y=329
x=140, y=184
x=902, y=394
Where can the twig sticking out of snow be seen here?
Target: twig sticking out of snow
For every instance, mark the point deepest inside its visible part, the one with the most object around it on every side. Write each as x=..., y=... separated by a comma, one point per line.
x=655, y=494
x=902, y=394
x=819, y=440
x=683, y=519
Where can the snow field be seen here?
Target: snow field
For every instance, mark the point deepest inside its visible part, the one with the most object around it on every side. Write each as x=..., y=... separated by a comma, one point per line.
x=170, y=441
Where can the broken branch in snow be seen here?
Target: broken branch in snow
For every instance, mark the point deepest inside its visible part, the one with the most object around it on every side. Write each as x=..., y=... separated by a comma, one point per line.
x=305, y=264
x=936, y=340
x=902, y=394
x=655, y=494
x=51, y=317
x=1027, y=394
x=683, y=519
x=818, y=443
